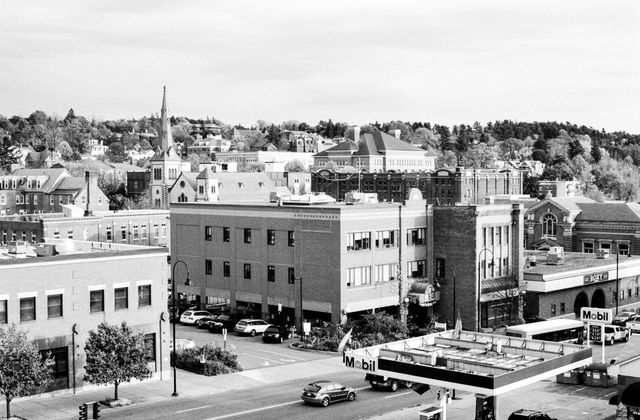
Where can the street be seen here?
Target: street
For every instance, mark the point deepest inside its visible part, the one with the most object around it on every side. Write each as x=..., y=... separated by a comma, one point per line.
x=252, y=352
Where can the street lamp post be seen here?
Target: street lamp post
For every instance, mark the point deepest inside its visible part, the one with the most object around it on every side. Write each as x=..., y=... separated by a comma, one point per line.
x=299, y=279
x=479, y=307
x=174, y=311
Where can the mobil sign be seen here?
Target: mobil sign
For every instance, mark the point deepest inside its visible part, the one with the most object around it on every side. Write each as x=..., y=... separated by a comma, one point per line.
x=597, y=315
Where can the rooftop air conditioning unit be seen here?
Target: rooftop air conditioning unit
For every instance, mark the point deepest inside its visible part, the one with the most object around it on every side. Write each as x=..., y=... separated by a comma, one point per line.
x=602, y=253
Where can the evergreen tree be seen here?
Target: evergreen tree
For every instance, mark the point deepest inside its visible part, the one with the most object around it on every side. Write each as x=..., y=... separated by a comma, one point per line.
x=7, y=155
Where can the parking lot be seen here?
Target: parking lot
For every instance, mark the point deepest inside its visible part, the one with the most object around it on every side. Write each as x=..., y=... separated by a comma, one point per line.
x=252, y=352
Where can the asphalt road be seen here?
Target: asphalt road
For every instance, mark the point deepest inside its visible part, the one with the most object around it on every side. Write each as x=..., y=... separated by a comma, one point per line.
x=279, y=401
x=252, y=352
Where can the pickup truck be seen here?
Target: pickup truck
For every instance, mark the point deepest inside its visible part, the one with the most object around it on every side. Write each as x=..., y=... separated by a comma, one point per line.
x=377, y=381
x=612, y=333
x=633, y=324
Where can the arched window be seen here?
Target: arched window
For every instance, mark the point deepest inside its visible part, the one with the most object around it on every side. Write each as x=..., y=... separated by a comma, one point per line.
x=549, y=223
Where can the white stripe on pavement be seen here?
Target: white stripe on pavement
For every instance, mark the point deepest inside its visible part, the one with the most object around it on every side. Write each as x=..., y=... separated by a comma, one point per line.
x=282, y=354
x=192, y=409
x=398, y=395
x=261, y=357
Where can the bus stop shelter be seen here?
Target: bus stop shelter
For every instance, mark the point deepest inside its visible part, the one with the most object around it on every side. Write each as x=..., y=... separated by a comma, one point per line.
x=488, y=365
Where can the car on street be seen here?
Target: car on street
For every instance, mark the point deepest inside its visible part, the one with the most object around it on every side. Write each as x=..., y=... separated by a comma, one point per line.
x=392, y=384
x=204, y=322
x=533, y=318
x=251, y=326
x=181, y=308
x=275, y=334
x=633, y=324
x=524, y=414
x=622, y=318
x=191, y=316
x=182, y=344
x=327, y=392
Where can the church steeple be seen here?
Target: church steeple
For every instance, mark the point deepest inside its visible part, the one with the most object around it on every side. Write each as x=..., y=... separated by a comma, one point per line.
x=165, y=125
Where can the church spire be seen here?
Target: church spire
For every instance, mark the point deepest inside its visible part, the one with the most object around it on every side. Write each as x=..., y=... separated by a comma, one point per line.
x=165, y=126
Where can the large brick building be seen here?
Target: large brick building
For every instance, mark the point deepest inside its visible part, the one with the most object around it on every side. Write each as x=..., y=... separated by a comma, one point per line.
x=60, y=296
x=339, y=258
x=441, y=187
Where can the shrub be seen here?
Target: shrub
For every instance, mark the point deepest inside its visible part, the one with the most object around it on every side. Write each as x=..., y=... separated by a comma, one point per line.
x=217, y=361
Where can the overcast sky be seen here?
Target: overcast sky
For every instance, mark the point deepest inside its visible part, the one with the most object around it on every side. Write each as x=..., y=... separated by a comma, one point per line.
x=447, y=62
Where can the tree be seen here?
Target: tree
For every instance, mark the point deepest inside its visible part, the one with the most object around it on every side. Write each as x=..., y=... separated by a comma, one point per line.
x=116, y=152
x=115, y=355
x=295, y=166
x=7, y=154
x=66, y=152
x=22, y=368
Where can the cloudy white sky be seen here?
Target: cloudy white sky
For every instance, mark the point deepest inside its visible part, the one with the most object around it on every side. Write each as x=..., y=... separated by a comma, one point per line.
x=444, y=61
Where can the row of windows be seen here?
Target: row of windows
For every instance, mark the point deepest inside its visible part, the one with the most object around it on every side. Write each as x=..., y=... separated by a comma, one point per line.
x=498, y=235
x=589, y=247
x=361, y=276
x=226, y=235
x=226, y=271
x=357, y=241
x=96, y=303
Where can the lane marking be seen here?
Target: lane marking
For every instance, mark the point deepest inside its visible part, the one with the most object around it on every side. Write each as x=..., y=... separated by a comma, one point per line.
x=192, y=409
x=255, y=410
x=397, y=395
x=260, y=357
x=282, y=354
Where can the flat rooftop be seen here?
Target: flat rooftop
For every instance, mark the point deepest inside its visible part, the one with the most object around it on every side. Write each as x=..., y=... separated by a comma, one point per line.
x=574, y=261
x=475, y=362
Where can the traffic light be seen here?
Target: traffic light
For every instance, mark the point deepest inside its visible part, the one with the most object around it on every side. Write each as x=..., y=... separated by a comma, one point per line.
x=83, y=412
x=96, y=410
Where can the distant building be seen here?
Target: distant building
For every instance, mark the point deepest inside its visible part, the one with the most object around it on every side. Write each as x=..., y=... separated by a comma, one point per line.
x=45, y=190
x=300, y=141
x=210, y=186
x=209, y=145
x=166, y=165
x=262, y=157
x=134, y=227
x=241, y=134
x=559, y=188
x=579, y=224
x=441, y=187
x=97, y=148
x=376, y=152
x=58, y=297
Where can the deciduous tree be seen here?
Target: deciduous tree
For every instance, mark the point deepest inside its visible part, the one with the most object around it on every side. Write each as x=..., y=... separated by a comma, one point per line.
x=22, y=368
x=115, y=355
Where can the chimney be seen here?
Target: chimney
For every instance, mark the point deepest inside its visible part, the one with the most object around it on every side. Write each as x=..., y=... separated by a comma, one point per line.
x=92, y=182
x=356, y=133
x=396, y=133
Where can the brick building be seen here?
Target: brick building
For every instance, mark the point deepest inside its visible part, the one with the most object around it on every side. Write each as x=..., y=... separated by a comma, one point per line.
x=135, y=227
x=579, y=224
x=60, y=296
x=441, y=187
x=338, y=258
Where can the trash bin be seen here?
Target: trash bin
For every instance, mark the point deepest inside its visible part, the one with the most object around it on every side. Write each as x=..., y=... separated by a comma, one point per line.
x=573, y=376
x=431, y=413
x=598, y=375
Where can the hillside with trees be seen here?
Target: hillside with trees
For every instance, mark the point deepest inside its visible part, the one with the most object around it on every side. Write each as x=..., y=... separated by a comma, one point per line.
x=606, y=163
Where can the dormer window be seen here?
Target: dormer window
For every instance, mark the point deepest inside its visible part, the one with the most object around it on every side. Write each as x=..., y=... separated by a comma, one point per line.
x=549, y=223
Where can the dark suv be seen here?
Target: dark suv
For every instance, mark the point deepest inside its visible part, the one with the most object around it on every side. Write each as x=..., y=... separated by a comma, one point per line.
x=227, y=321
x=275, y=334
x=524, y=414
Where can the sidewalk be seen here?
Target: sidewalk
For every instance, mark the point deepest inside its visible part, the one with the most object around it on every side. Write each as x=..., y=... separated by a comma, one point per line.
x=561, y=401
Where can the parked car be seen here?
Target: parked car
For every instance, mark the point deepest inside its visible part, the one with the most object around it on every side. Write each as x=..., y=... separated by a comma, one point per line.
x=191, y=316
x=327, y=392
x=276, y=334
x=182, y=344
x=529, y=319
x=392, y=384
x=181, y=308
x=204, y=322
x=633, y=324
x=622, y=318
x=251, y=326
x=524, y=414
x=227, y=321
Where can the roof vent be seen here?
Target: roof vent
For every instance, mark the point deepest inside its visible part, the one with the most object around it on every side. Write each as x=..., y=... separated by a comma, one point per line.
x=602, y=254
x=555, y=256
